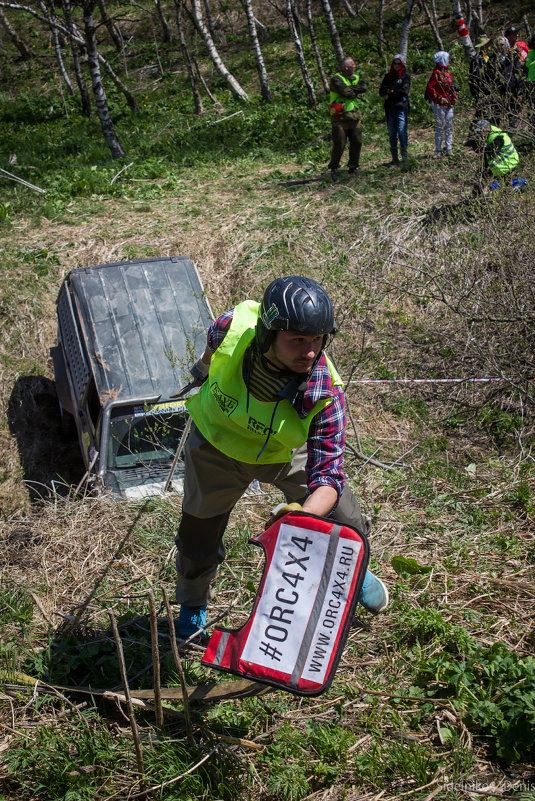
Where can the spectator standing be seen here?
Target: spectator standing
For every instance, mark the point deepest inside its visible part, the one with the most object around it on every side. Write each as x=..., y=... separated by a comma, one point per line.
x=442, y=94
x=530, y=80
x=477, y=72
x=346, y=118
x=521, y=48
x=506, y=80
x=395, y=88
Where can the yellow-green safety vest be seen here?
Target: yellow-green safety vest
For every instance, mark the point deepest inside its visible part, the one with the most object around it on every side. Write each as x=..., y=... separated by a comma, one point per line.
x=349, y=105
x=220, y=410
x=507, y=159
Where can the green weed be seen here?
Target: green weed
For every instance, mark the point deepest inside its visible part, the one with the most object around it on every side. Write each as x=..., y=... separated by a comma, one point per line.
x=494, y=689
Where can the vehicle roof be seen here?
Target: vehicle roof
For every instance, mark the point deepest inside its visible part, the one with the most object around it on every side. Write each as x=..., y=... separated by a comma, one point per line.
x=145, y=323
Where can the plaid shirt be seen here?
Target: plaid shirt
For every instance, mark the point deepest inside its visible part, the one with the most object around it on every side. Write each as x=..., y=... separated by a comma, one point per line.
x=326, y=435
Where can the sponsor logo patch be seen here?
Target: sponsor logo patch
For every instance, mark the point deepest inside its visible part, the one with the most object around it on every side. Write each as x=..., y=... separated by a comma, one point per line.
x=226, y=403
x=258, y=427
x=271, y=314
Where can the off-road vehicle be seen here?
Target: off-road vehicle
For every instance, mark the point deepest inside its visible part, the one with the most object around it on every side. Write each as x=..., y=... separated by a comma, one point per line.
x=127, y=334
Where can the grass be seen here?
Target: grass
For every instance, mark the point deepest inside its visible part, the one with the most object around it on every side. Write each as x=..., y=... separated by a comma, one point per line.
x=432, y=697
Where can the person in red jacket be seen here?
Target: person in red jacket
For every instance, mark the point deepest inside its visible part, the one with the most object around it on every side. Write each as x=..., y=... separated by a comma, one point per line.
x=442, y=94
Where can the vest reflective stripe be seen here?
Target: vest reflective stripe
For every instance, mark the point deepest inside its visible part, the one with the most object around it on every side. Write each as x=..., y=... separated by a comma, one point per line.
x=220, y=409
x=349, y=105
x=507, y=159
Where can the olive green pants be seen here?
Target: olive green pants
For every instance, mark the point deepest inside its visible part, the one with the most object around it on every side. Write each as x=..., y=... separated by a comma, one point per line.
x=213, y=484
x=340, y=133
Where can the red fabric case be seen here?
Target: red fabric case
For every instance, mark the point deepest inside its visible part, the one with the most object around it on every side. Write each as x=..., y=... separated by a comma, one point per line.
x=303, y=608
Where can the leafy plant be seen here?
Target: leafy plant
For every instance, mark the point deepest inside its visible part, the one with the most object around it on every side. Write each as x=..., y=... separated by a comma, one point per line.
x=494, y=691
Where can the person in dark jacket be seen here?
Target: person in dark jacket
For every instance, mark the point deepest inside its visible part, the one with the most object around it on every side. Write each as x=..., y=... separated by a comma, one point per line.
x=477, y=72
x=530, y=80
x=395, y=88
x=504, y=76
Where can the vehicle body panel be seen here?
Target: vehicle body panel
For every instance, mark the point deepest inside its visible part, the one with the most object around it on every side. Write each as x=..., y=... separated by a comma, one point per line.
x=127, y=334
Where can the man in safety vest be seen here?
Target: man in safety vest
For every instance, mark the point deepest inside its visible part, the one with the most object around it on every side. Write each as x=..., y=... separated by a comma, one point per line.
x=498, y=150
x=271, y=408
x=345, y=87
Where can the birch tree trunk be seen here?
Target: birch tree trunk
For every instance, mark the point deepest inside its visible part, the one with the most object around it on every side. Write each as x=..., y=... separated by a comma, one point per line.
x=96, y=82
x=114, y=31
x=333, y=32
x=405, y=28
x=82, y=88
x=469, y=49
x=209, y=19
x=166, y=33
x=82, y=40
x=212, y=50
x=199, y=108
x=300, y=54
x=129, y=97
x=381, y=36
x=50, y=12
x=13, y=35
x=315, y=48
x=349, y=8
x=431, y=15
x=260, y=66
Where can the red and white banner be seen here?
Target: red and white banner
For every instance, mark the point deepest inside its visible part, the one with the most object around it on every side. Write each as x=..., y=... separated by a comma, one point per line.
x=303, y=609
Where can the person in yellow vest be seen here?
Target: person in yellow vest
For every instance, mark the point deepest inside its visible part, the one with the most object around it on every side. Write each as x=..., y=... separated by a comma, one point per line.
x=346, y=118
x=498, y=149
x=270, y=408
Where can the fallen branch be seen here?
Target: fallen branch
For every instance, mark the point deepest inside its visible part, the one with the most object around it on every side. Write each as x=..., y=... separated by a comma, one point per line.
x=22, y=181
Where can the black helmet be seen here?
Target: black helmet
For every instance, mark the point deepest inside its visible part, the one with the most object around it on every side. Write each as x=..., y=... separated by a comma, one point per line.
x=511, y=30
x=294, y=303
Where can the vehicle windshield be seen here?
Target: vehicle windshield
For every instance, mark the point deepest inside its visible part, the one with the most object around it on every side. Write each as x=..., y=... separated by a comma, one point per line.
x=145, y=436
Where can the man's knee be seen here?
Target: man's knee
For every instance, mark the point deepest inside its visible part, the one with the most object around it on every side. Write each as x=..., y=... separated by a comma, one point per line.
x=201, y=540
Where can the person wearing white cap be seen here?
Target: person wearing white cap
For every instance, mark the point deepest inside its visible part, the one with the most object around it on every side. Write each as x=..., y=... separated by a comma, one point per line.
x=442, y=94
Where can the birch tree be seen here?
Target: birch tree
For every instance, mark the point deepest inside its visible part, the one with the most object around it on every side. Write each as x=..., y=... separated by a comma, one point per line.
x=381, y=34
x=199, y=108
x=166, y=33
x=209, y=18
x=405, y=28
x=212, y=51
x=101, y=101
x=13, y=35
x=430, y=12
x=315, y=48
x=82, y=88
x=260, y=66
x=462, y=30
x=49, y=13
x=300, y=55
x=112, y=28
x=349, y=8
x=333, y=31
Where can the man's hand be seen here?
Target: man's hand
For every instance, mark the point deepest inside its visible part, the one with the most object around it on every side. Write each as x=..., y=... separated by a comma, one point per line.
x=283, y=509
x=199, y=371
